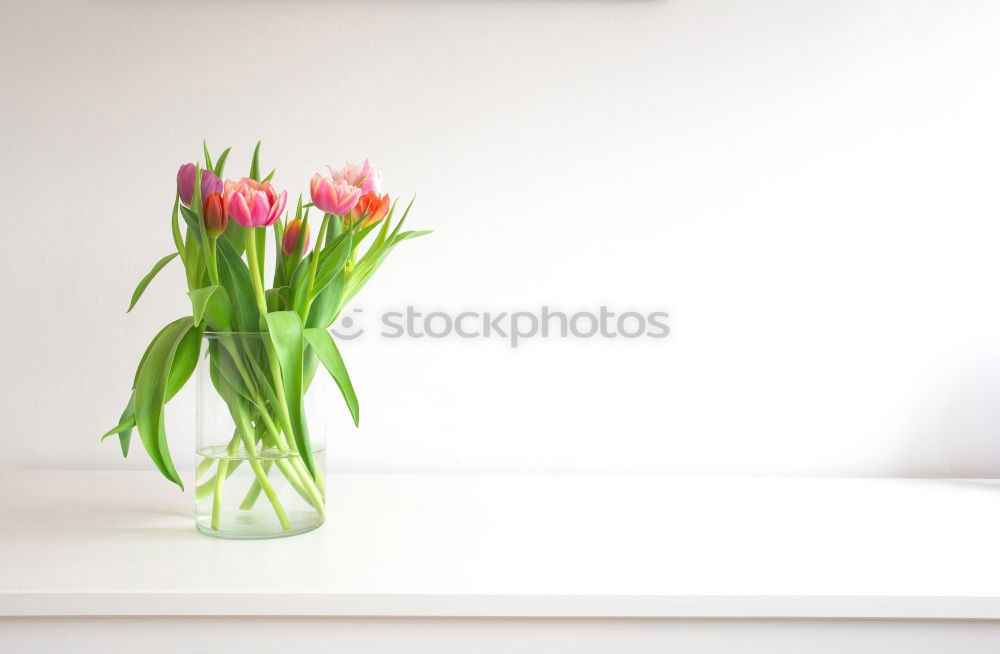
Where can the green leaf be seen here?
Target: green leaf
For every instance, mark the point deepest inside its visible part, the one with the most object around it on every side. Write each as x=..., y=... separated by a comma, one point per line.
x=402, y=236
x=194, y=229
x=285, y=329
x=184, y=362
x=326, y=306
x=181, y=369
x=223, y=369
x=212, y=304
x=151, y=389
x=273, y=298
x=235, y=278
x=299, y=281
x=126, y=422
x=331, y=262
x=261, y=378
x=220, y=165
x=125, y=425
x=380, y=238
x=255, y=164
x=326, y=350
x=157, y=267
x=403, y=219
x=234, y=235
x=375, y=256
x=208, y=157
x=175, y=230
x=270, y=175
x=145, y=355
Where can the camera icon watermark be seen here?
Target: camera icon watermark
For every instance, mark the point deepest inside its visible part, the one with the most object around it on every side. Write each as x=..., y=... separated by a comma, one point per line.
x=513, y=326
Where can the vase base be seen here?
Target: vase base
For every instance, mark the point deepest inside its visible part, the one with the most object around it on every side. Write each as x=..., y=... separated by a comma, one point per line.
x=251, y=534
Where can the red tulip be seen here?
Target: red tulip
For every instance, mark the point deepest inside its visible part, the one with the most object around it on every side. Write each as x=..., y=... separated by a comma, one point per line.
x=292, y=237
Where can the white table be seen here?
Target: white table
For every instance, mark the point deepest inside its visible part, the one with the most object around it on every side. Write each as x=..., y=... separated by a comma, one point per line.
x=106, y=561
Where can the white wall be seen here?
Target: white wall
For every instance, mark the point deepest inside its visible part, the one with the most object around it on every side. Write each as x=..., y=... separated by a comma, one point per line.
x=807, y=187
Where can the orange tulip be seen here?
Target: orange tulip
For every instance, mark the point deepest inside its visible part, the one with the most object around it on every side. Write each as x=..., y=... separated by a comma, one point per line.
x=370, y=209
x=215, y=215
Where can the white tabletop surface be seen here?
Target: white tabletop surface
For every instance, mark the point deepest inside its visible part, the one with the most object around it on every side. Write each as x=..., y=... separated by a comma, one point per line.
x=124, y=543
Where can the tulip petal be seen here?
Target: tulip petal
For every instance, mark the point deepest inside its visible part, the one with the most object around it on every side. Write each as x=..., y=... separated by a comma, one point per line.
x=277, y=208
x=259, y=209
x=316, y=180
x=238, y=210
x=324, y=197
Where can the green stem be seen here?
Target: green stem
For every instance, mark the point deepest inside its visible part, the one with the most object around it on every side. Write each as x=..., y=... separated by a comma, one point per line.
x=203, y=466
x=259, y=473
x=212, y=260
x=254, y=492
x=296, y=468
x=258, y=283
x=205, y=489
x=286, y=423
x=220, y=480
x=314, y=265
x=297, y=475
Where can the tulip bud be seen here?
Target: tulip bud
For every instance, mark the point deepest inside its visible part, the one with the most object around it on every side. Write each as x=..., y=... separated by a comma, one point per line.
x=292, y=237
x=215, y=215
x=185, y=182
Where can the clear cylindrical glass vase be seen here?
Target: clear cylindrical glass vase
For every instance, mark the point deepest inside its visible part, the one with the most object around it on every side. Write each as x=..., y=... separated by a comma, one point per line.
x=252, y=480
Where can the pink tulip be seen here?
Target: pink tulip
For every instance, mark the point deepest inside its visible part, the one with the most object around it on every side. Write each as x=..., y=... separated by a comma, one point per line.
x=366, y=176
x=253, y=204
x=185, y=183
x=333, y=196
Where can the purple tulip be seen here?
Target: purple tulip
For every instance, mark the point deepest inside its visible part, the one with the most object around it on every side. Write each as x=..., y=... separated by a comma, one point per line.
x=185, y=183
x=210, y=184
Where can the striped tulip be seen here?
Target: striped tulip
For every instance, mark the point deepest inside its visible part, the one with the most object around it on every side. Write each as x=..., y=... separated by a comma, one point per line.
x=291, y=238
x=365, y=176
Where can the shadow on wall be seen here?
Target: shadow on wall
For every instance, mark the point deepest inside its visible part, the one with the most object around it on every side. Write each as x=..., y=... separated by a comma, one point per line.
x=958, y=433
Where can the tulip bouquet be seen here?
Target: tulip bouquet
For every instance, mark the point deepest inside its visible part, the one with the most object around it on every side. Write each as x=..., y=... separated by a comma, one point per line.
x=263, y=346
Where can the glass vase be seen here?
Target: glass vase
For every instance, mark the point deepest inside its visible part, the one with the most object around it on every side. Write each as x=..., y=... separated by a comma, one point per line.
x=252, y=481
